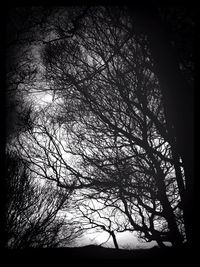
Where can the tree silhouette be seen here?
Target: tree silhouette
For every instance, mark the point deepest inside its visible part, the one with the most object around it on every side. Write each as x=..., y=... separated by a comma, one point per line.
x=174, y=66
x=32, y=210
x=110, y=135
x=113, y=111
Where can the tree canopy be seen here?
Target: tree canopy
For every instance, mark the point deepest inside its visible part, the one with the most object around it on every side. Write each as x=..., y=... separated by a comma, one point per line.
x=107, y=149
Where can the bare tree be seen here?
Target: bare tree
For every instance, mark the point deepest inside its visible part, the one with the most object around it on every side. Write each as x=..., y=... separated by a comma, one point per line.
x=166, y=29
x=114, y=114
x=32, y=207
x=106, y=135
x=32, y=210
x=97, y=214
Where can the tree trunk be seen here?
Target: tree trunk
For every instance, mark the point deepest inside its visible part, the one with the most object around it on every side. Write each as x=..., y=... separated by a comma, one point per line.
x=177, y=97
x=175, y=237
x=114, y=239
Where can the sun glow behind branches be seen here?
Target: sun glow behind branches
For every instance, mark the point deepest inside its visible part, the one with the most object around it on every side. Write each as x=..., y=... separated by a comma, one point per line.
x=43, y=98
x=96, y=235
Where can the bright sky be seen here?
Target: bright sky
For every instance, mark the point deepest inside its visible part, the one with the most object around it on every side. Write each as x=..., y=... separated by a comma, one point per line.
x=42, y=98
x=46, y=98
x=125, y=240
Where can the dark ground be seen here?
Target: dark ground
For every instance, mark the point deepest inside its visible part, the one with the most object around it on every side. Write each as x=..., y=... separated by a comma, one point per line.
x=96, y=254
